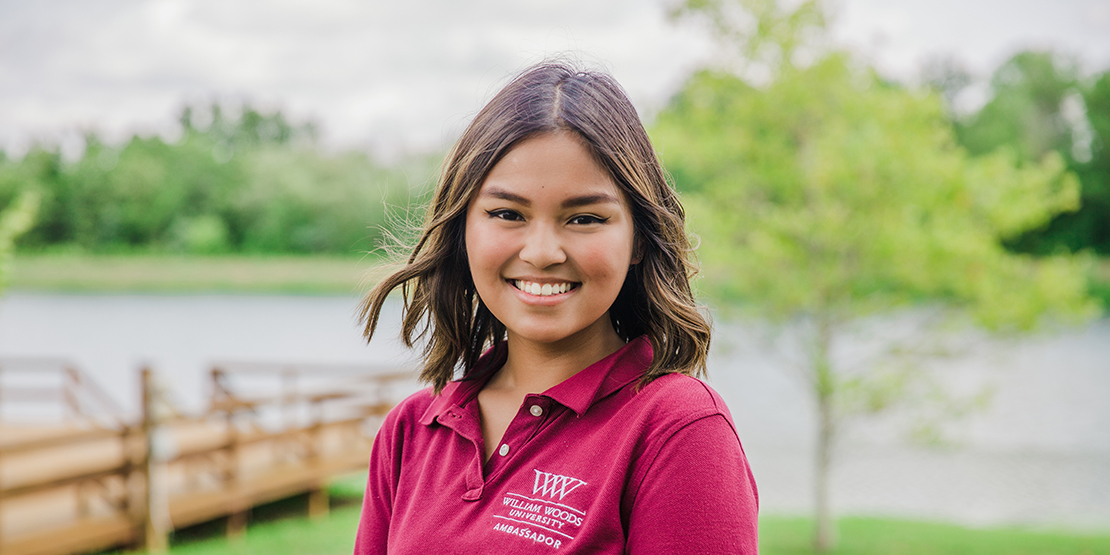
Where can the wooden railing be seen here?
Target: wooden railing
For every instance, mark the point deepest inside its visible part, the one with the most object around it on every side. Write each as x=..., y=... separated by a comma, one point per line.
x=57, y=383
x=269, y=432
x=37, y=470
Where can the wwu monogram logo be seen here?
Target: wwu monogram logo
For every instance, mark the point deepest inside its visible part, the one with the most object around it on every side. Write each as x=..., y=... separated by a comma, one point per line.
x=553, y=484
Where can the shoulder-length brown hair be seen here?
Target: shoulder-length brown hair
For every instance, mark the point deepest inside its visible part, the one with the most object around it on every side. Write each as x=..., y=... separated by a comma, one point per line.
x=655, y=299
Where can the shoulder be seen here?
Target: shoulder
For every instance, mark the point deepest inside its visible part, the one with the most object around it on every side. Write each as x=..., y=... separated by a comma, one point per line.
x=671, y=403
x=685, y=428
x=677, y=396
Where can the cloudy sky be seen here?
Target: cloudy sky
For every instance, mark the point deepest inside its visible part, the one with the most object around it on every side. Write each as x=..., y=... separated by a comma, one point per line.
x=405, y=75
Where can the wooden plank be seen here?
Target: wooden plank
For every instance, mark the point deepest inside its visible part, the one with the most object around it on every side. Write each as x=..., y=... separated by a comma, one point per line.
x=62, y=464
x=236, y=404
x=52, y=483
x=276, y=483
x=66, y=438
x=84, y=536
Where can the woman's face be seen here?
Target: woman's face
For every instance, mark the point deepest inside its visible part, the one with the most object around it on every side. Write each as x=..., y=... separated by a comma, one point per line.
x=549, y=239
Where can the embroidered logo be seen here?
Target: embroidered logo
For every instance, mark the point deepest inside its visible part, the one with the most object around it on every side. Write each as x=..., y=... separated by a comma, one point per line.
x=542, y=518
x=550, y=485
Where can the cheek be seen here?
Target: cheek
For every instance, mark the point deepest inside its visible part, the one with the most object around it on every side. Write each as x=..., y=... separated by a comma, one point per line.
x=608, y=259
x=481, y=251
x=471, y=244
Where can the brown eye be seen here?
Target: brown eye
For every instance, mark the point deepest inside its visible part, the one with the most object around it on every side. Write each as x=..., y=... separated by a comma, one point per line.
x=503, y=214
x=587, y=219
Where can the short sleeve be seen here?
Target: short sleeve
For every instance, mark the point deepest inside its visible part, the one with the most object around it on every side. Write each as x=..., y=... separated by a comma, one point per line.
x=377, y=503
x=698, y=495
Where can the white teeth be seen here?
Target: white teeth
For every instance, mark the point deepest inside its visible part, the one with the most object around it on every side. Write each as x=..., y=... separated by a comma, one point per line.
x=541, y=290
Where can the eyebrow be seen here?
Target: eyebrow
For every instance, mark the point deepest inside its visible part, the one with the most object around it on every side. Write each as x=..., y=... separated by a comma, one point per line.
x=573, y=202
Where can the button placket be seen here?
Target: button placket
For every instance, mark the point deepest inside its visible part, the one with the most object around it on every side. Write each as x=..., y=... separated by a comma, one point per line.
x=523, y=427
x=466, y=426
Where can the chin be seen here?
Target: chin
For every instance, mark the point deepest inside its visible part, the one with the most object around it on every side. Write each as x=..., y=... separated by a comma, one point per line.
x=547, y=335
x=551, y=333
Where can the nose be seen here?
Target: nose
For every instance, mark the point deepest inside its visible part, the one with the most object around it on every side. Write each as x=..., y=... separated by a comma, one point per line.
x=543, y=247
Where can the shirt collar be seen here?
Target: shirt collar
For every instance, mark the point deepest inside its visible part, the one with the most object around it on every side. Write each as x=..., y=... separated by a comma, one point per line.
x=578, y=392
x=600, y=379
x=460, y=392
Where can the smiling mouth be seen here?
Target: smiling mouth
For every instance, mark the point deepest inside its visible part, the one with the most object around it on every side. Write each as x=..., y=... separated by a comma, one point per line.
x=543, y=289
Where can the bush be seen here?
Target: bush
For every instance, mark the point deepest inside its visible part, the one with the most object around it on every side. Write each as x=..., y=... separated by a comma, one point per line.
x=252, y=184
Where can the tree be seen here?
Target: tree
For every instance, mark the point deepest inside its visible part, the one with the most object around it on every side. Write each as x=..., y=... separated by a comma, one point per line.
x=15, y=220
x=1090, y=226
x=826, y=195
x=1025, y=112
x=239, y=181
x=1039, y=105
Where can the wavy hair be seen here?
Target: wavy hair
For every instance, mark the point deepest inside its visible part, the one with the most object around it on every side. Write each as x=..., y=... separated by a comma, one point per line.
x=435, y=281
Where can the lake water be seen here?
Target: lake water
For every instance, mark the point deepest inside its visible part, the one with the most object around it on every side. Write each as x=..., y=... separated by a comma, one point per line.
x=1038, y=454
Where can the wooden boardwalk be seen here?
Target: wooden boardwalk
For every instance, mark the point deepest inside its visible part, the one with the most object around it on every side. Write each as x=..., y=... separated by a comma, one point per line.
x=94, y=482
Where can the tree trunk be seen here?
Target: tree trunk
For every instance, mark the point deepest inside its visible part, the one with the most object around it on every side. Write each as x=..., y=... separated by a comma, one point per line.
x=823, y=539
x=825, y=388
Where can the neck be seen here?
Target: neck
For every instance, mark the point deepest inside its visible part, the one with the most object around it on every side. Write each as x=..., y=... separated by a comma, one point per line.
x=534, y=367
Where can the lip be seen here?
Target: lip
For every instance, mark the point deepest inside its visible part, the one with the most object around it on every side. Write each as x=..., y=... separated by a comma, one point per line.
x=541, y=280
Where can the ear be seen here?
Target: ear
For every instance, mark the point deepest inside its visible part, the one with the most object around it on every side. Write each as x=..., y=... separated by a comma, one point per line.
x=637, y=250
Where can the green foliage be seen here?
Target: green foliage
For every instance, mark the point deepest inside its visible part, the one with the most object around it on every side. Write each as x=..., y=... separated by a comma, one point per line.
x=253, y=183
x=301, y=202
x=829, y=192
x=15, y=220
x=1041, y=107
x=1025, y=111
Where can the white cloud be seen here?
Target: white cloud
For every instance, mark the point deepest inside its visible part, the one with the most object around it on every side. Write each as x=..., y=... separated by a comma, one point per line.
x=407, y=75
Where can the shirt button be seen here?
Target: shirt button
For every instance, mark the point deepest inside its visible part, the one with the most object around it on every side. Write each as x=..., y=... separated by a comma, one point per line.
x=504, y=450
x=536, y=410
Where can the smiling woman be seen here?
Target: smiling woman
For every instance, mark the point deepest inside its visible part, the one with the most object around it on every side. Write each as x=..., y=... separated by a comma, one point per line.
x=549, y=242
x=554, y=269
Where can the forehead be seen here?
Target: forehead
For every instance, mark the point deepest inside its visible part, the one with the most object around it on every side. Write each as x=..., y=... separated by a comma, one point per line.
x=550, y=165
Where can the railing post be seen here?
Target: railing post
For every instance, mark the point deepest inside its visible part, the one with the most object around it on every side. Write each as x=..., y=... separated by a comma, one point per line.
x=70, y=388
x=318, y=496
x=237, y=517
x=129, y=505
x=318, y=502
x=154, y=530
x=287, y=448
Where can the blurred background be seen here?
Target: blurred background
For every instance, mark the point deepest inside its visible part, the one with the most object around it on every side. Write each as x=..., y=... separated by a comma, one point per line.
x=903, y=210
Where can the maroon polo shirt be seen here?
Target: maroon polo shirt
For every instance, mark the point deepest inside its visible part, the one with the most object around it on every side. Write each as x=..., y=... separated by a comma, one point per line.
x=592, y=465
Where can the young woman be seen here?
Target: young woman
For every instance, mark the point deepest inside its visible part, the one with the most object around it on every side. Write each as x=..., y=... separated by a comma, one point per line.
x=553, y=271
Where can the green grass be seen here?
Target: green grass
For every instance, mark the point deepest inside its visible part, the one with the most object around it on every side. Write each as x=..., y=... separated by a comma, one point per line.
x=281, y=529
x=301, y=274
x=878, y=536
x=296, y=536
x=155, y=273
